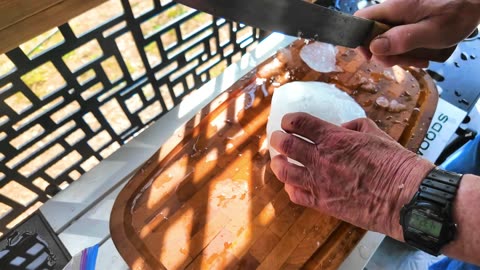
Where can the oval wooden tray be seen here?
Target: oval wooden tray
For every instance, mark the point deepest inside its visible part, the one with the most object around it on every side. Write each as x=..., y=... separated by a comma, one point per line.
x=208, y=200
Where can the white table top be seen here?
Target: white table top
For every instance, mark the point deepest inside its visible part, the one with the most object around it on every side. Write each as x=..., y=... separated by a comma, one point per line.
x=80, y=214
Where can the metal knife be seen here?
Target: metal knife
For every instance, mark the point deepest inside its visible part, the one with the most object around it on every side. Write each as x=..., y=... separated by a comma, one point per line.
x=304, y=19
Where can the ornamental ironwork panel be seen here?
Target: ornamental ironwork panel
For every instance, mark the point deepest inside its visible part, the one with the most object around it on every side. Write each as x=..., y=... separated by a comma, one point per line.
x=70, y=106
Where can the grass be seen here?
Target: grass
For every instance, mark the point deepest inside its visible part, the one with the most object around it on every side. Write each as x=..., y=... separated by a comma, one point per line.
x=43, y=80
x=6, y=66
x=36, y=78
x=157, y=22
x=218, y=69
x=18, y=102
x=177, y=11
x=153, y=54
x=42, y=43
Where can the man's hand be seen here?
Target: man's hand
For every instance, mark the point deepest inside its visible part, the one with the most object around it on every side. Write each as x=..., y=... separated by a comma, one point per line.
x=356, y=172
x=433, y=24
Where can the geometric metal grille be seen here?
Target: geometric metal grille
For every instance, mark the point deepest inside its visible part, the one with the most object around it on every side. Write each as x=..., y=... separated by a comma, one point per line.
x=52, y=130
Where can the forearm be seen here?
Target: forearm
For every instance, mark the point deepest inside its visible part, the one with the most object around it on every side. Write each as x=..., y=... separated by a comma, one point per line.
x=466, y=214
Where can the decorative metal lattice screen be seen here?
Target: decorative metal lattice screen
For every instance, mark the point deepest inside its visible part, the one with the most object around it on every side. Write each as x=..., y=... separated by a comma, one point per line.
x=68, y=107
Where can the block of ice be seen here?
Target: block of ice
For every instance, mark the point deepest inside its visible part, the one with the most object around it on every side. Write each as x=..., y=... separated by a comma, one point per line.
x=319, y=99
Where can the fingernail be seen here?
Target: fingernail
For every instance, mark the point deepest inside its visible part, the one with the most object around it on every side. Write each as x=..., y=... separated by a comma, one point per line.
x=380, y=45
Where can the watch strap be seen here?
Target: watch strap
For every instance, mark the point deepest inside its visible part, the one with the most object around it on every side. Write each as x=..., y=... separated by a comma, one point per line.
x=440, y=187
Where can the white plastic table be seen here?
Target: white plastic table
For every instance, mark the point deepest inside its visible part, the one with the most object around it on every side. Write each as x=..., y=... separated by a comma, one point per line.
x=80, y=214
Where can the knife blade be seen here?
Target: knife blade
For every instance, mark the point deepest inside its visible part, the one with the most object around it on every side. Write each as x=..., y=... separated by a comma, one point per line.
x=306, y=20
x=294, y=18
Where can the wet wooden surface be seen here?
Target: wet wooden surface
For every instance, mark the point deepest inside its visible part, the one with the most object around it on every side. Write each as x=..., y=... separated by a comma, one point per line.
x=210, y=200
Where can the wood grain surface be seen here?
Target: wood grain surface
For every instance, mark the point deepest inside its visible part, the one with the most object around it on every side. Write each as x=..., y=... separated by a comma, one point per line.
x=23, y=20
x=208, y=200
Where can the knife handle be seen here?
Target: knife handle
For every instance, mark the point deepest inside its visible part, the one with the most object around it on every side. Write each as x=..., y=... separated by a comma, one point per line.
x=377, y=29
x=436, y=55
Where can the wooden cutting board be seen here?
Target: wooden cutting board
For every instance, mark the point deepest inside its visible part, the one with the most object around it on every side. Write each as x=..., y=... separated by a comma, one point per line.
x=208, y=200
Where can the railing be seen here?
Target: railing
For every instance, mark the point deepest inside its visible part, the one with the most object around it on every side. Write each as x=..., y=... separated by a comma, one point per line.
x=72, y=97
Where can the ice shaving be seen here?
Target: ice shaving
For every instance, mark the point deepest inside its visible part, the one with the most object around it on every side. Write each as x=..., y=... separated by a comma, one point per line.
x=320, y=56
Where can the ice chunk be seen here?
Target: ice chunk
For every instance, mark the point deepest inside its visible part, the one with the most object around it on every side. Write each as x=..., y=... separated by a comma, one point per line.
x=382, y=102
x=320, y=56
x=396, y=107
x=322, y=100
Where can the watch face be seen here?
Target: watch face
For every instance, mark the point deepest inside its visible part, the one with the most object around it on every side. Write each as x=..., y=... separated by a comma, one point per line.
x=419, y=220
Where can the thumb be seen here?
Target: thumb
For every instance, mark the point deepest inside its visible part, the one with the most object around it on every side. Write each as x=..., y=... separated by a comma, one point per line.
x=403, y=38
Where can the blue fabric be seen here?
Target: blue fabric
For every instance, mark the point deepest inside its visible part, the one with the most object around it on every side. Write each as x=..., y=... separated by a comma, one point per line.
x=464, y=160
x=92, y=257
x=451, y=264
x=89, y=258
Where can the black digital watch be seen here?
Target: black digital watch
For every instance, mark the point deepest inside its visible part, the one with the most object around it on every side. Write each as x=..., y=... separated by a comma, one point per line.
x=427, y=220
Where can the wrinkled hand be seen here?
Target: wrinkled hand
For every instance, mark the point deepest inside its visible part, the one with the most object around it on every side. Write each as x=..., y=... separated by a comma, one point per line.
x=356, y=172
x=433, y=24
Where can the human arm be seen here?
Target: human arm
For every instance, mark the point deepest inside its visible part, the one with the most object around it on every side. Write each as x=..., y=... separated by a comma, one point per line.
x=466, y=213
x=433, y=24
x=359, y=174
